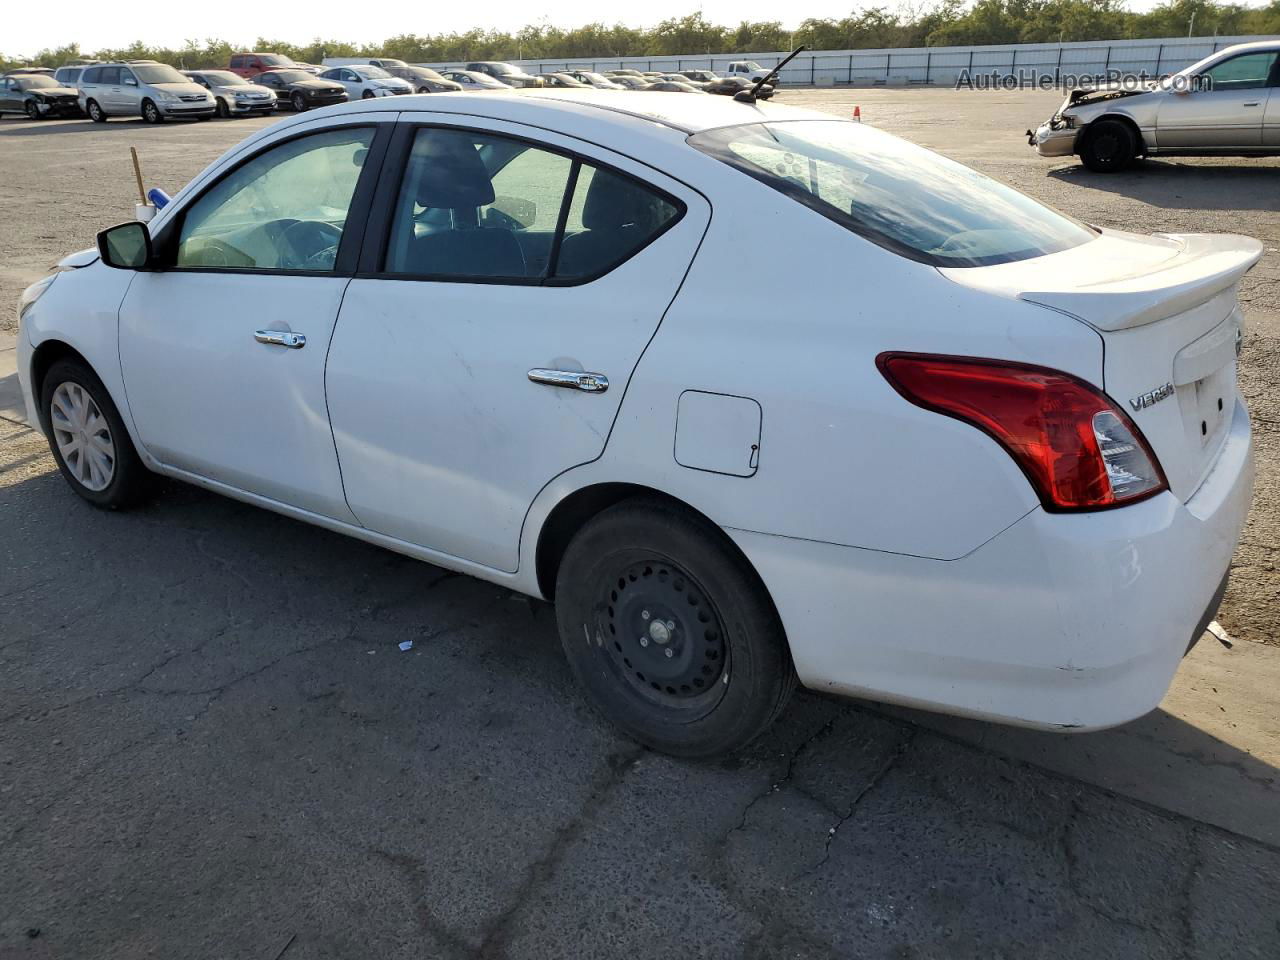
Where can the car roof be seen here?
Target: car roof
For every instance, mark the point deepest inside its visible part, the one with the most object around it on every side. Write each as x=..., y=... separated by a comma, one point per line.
x=636, y=111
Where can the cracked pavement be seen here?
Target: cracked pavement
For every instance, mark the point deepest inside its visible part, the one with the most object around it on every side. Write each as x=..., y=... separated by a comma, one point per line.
x=211, y=745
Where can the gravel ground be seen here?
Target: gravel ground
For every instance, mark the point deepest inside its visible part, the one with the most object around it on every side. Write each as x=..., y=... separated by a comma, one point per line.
x=211, y=746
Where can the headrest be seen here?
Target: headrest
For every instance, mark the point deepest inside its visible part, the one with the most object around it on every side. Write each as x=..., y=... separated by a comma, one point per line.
x=614, y=202
x=452, y=174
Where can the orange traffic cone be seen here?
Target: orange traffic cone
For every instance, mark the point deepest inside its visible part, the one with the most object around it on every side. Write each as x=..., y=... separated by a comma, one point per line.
x=857, y=113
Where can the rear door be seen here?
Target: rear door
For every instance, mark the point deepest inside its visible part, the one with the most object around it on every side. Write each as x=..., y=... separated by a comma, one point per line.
x=485, y=346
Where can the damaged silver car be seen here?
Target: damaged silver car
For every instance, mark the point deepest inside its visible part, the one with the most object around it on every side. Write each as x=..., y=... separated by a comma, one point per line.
x=1228, y=104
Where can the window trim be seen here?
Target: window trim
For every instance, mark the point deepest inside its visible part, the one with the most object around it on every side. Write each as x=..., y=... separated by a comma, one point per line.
x=166, y=240
x=1272, y=78
x=382, y=215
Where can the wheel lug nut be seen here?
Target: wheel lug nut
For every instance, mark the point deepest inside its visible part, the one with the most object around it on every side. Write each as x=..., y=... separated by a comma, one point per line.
x=671, y=624
x=644, y=641
x=644, y=614
x=670, y=652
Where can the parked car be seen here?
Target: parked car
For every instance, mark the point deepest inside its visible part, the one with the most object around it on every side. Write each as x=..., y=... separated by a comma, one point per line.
x=1227, y=104
x=1031, y=483
x=632, y=83
x=593, y=79
x=699, y=76
x=68, y=75
x=672, y=86
x=390, y=64
x=622, y=72
x=471, y=81
x=562, y=80
x=154, y=91
x=504, y=73
x=251, y=64
x=730, y=86
x=300, y=90
x=748, y=69
x=38, y=95
x=424, y=79
x=681, y=78
x=233, y=95
x=364, y=81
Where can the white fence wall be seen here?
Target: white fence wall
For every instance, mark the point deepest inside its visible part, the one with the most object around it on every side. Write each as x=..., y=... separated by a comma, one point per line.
x=935, y=65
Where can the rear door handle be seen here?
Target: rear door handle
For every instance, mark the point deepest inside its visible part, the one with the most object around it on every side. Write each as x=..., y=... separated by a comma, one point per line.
x=281, y=338
x=571, y=379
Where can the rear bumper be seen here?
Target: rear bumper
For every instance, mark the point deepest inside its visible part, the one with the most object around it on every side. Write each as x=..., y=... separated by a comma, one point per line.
x=1062, y=621
x=1053, y=143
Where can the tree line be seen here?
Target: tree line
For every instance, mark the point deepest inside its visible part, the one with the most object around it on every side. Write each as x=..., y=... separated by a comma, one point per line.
x=944, y=23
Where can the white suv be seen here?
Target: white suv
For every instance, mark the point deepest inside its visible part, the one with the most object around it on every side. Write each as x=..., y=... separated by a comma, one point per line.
x=154, y=91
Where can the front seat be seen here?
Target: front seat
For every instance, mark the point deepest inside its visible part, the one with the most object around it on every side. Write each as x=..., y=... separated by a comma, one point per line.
x=453, y=177
x=619, y=217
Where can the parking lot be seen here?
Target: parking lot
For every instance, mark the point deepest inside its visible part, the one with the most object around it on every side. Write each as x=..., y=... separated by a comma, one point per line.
x=211, y=744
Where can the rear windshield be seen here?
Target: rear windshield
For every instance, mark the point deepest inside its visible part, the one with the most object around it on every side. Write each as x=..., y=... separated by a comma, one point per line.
x=903, y=197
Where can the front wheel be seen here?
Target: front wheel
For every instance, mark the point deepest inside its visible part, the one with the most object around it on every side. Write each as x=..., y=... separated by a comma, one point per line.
x=33, y=112
x=1109, y=146
x=670, y=631
x=224, y=111
x=88, y=439
x=151, y=113
x=95, y=112
x=367, y=95
x=299, y=103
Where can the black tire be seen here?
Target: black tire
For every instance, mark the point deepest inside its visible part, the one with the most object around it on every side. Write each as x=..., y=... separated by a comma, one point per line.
x=367, y=95
x=424, y=90
x=1109, y=146
x=670, y=631
x=130, y=481
x=151, y=113
x=95, y=112
x=204, y=116
x=33, y=113
x=224, y=111
x=299, y=103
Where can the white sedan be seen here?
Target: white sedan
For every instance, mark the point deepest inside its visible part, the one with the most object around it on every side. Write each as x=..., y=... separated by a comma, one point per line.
x=364, y=82
x=943, y=446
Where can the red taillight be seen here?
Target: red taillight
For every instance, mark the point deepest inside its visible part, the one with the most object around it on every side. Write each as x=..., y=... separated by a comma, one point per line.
x=1077, y=448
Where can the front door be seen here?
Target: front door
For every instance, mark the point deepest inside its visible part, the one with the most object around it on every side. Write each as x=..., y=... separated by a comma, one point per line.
x=1224, y=113
x=223, y=350
x=488, y=341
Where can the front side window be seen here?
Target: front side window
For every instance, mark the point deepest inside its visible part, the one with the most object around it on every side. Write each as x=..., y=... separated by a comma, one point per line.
x=1244, y=72
x=476, y=205
x=905, y=198
x=283, y=210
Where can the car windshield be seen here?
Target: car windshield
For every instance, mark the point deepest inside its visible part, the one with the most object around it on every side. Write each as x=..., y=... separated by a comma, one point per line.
x=292, y=76
x=426, y=73
x=225, y=78
x=275, y=60
x=502, y=68
x=372, y=73
x=903, y=197
x=157, y=73
x=33, y=81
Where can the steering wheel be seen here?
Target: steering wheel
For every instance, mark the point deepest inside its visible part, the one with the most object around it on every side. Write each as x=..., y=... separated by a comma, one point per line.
x=306, y=244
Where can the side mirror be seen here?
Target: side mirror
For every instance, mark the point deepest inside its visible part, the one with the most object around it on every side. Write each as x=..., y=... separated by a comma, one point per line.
x=126, y=246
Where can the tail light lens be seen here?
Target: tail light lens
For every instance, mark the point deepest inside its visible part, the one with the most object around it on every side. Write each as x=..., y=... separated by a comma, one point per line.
x=1077, y=448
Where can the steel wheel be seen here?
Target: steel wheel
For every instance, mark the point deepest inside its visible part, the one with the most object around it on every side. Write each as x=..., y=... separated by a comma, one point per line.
x=83, y=436
x=666, y=640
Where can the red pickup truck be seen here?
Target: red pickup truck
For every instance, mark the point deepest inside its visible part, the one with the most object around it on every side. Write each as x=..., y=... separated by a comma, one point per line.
x=252, y=64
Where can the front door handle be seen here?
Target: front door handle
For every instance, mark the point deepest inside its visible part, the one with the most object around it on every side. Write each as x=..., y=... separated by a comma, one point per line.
x=282, y=338
x=1253, y=103
x=572, y=379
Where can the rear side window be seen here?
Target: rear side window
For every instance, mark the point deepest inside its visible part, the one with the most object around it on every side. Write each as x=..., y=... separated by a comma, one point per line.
x=237, y=62
x=480, y=206
x=91, y=75
x=905, y=198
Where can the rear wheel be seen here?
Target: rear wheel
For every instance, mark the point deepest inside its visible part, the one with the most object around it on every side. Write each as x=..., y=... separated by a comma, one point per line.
x=95, y=112
x=1109, y=146
x=88, y=439
x=151, y=113
x=670, y=631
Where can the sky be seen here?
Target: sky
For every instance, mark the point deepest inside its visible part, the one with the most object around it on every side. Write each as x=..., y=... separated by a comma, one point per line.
x=96, y=25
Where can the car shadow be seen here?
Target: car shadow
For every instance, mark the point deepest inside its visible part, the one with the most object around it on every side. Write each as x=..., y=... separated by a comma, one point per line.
x=1190, y=184
x=30, y=128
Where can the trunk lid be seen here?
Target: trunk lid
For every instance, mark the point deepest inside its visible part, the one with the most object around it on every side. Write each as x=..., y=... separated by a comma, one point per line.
x=1165, y=307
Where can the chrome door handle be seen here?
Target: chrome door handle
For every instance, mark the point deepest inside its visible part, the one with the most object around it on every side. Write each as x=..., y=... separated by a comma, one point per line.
x=572, y=379
x=282, y=338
